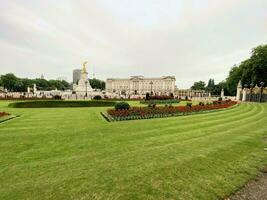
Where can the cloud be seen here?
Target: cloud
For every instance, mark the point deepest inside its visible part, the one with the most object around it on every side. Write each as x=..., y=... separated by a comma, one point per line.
x=191, y=40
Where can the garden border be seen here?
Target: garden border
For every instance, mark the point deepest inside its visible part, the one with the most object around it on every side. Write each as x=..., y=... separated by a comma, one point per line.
x=109, y=118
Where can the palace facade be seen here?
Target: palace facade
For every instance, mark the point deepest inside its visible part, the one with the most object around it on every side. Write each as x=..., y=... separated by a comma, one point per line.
x=141, y=85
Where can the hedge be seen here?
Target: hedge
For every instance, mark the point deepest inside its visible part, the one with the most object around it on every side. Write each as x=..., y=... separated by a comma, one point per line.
x=56, y=104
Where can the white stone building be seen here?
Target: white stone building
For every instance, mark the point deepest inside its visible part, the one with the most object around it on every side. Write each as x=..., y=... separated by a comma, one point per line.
x=140, y=85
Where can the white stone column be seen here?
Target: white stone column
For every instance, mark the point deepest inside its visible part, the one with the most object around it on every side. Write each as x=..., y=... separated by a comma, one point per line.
x=34, y=88
x=222, y=93
x=238, y=91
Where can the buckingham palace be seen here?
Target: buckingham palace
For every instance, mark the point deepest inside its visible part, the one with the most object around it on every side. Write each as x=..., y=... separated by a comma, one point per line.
x=140, y=85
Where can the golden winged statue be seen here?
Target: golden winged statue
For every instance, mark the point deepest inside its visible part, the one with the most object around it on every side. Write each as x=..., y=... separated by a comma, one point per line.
x=84, y=66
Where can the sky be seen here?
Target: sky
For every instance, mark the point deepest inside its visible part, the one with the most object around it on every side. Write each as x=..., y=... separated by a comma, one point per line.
x=190, y=39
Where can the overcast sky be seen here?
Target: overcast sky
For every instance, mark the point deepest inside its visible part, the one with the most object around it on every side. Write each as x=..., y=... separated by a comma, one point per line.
x=190, y=39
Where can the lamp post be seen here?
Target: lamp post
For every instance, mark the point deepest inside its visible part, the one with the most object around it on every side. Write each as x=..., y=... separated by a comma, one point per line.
x=251, y=87
x=86, y=88
x=262, y=84
x=151, y=83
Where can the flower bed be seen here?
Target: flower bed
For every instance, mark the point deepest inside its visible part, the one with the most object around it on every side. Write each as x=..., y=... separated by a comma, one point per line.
x=156, y=112
x=2, y=114
x=162, y=97
x=167, y=101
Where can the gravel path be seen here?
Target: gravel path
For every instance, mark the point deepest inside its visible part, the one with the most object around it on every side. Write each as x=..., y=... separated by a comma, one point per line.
x=254, y=190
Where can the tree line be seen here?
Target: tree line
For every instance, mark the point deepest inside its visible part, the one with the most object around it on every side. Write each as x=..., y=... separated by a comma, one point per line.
x=250, y=71
x=15, y=84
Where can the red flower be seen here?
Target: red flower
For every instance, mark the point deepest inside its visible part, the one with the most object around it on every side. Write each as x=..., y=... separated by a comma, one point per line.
x=150, y=111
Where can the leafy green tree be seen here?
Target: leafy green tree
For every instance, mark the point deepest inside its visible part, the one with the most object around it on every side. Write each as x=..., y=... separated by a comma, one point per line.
x=60, y=85
x=252, y=70
x=15, y=84
x=200, y=85
x=41, y=84
x=258, y=63
x=211, y=86
x=9, y=81
x=235, y=75
x=97, y=84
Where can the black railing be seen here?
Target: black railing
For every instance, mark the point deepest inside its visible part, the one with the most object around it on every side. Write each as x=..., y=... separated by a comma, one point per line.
x=256, y=97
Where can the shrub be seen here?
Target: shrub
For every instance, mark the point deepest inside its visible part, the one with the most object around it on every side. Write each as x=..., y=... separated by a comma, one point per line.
x=57, y=97
x=62, y=103
x=215, y=102
x=201, y=103
x=162, y=97
x=168, y=101
x=189, y=104
x=147, y=96
x=97, y=97
x=122, y=106
x=220, y=99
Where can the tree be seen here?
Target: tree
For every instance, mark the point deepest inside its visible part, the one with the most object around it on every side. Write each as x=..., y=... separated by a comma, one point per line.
x=211, y=86
x=235, y=75
x=200, y=85
x=252, y=70
x=15, y=84
x=41, y=84
x=259, y=64
x=97, y=84
x=57, y=84
x=9, y=81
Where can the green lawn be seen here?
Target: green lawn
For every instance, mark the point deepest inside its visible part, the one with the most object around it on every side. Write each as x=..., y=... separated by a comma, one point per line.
x=73, y=153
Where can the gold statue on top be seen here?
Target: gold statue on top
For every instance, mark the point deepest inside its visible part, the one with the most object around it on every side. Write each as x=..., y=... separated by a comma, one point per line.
x=84, y=66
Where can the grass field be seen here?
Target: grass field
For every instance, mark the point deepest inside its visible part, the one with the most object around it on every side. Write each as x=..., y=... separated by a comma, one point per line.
x=73, y=153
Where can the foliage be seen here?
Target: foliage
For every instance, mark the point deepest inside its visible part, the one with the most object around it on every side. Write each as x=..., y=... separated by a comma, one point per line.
x=162, y=97
x=189, y=104
x=215, y=89
x=9, y=81
x=122, y=106
x=252, y=70
x=61, y=103
x=201, y=103
x=168, y=101
x=97, y=97
x=152, y=105
x=211, y=85
x=200, y=85
x=97, y=84
x=57, y=97
x=15, y=84
x=162, y=111
x=147, y=96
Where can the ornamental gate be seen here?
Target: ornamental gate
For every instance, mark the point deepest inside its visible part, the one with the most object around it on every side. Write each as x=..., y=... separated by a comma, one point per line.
x=251, y=94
